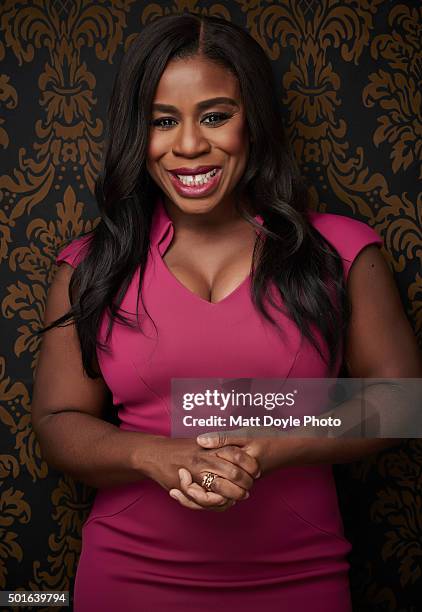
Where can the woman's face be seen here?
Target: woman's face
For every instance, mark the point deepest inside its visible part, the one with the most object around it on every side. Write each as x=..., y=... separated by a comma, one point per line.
x=198, y=141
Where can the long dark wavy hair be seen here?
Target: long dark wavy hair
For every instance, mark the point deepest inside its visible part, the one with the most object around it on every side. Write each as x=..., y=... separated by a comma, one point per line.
x=290, y=252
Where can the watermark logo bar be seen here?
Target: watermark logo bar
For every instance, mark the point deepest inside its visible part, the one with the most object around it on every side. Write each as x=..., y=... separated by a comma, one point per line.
x=302, y=407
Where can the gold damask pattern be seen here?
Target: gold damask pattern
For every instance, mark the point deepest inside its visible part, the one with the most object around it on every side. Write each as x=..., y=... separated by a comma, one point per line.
x=350, y=73
x=398, y=91
x=27, y=300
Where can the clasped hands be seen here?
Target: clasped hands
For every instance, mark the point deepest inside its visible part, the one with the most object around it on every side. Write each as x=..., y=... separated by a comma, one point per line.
x=236, y=458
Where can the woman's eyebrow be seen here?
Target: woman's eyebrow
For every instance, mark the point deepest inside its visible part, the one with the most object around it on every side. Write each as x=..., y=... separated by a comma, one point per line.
x=166, y=108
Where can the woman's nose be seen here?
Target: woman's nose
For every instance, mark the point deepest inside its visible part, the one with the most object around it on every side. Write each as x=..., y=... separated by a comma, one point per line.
x=190, y=140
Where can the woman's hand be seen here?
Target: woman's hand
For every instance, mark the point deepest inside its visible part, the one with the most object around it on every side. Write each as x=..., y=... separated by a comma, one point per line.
x=205, y=500
x=267, y=449
x=193, y=496
x=235, y=469
x=270, y=451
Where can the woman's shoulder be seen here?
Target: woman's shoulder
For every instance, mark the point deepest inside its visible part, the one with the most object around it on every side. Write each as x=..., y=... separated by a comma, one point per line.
x=348, y=236
x=75, y=251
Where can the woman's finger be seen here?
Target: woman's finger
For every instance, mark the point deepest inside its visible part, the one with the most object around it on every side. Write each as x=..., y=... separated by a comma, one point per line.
x=239, y=457
x=194, y=496
x=217, y=439
x=194, y=491
x=183, y=500
x=226, y=488
x=227, y=470
x=203, y=497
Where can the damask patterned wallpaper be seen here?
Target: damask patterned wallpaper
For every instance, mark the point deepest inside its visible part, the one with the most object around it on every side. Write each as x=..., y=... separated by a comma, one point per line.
x=349, y=76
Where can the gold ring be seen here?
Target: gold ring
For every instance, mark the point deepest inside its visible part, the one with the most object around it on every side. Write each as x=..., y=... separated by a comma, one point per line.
x=207, y=480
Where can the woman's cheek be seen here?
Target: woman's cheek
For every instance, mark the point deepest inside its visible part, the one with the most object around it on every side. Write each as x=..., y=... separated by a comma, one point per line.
x=156, y=148
x=155, y=152
x=233, y=141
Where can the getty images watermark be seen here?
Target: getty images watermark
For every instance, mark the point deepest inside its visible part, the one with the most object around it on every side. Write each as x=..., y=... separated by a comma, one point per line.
x=316, y=407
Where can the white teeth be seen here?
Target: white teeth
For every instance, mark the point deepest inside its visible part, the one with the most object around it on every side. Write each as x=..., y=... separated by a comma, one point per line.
x=197, y=179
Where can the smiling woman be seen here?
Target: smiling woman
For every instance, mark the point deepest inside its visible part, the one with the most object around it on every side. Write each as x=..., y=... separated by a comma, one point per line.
x=207, y=264
x=201, y=125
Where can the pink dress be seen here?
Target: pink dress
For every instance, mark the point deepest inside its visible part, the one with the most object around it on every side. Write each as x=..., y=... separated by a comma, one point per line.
x=283, y=548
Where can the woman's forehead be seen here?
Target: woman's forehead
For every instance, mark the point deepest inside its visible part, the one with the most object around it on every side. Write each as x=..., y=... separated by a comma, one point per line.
x=193, y=79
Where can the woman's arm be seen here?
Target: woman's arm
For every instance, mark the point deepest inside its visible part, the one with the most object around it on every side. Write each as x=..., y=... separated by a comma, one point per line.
x=67, y=406
x=380, y=344
x=67, y=417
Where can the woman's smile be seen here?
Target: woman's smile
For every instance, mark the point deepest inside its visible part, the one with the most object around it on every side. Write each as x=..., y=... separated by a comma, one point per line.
x=196, y=185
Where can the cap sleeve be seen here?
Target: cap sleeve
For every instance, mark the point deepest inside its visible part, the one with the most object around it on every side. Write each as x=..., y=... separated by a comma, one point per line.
x=348, y=236
x=74, y=252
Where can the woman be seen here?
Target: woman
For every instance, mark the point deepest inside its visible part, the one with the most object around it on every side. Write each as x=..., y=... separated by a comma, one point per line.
x=204, y=227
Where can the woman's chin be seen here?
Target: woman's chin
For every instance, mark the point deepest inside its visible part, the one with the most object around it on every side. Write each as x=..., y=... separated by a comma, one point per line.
x=196, y=206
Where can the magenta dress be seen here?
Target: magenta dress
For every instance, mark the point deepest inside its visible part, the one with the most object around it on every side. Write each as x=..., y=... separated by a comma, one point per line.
x=283, y=548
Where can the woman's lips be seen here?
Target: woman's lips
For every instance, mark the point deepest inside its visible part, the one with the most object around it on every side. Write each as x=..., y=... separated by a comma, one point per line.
x=195, y=191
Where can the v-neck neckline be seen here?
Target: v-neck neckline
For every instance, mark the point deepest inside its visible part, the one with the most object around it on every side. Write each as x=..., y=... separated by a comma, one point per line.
x=197, y=297
x=162, y=236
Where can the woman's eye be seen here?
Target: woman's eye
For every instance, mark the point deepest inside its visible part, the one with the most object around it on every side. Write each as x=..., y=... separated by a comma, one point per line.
x=160, y=122
x=219, y=117
x=212, y=119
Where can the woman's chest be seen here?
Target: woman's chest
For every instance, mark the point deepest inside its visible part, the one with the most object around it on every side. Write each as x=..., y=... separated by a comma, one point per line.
x=211, y=268
x=185, y=336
